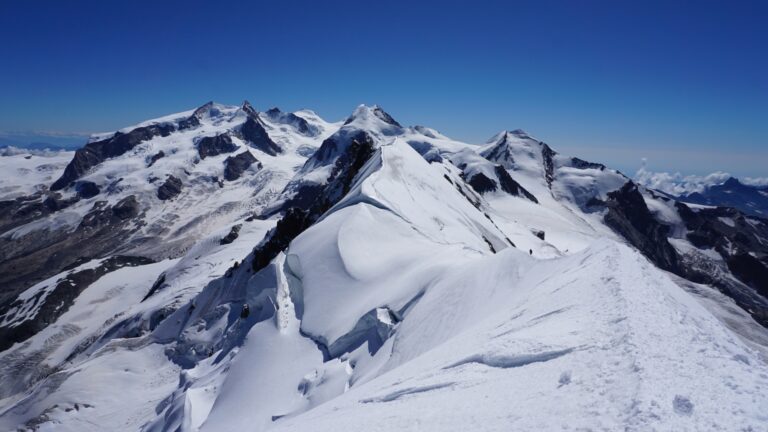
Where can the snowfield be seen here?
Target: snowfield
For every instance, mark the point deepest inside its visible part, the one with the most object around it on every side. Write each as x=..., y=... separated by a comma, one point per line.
x=372, y=276
x=21, y=172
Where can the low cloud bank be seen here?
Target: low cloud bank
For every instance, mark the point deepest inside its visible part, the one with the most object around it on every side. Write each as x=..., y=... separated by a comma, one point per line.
x=679, y=184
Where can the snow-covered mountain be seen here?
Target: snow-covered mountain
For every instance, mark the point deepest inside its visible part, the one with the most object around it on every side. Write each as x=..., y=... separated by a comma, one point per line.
x=229, y=269
x=751, y=200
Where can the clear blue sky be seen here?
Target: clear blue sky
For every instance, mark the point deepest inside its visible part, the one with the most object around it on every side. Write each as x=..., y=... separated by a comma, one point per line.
x=684, y=83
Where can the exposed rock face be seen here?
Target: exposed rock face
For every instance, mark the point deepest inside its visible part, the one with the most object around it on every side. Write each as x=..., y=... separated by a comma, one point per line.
x=481, y=183
x=59, y=299
x=383, y=115
x=234, y=232
x=20, y=210
x=87, y=189
x=582, y=164
x=234, y=166
x=331, y=147
x=96, y=152
x=292, y=119
x=193, y=121
x=629, y=216
x=155, y=157
x=126, y=208
x=169, y=189
x=41, y=254
x=253, y=132
x=54, y=202
x=500, y=153
x=215, y=145
x=742, y=242
x=510, y=186
x=548, y=155
x=296, y=219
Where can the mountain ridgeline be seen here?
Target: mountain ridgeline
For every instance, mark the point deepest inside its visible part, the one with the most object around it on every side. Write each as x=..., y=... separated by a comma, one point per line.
x=223, y=255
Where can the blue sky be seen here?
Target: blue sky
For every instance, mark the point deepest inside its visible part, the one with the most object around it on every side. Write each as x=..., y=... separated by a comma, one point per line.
x=682, y=83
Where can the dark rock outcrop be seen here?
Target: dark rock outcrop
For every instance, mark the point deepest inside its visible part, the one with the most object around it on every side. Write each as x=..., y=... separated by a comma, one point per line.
x=170, y=188
x=298, y=123
x=102, y=215
x=215, y=145
x=500, y=153
x=548, y=159
x=155, y=157
x=582, y=164
x=481, y=183
x=510, y=186
x=97, y=152
x=37, y=255
x=234, y=232
x=193, y=121
x=234, y=166
x=58, y=300
x=126, y=208
x=332, y=146
x=297, y=219
x=54, y=202
x=383, y=115
x=253, y=132
x=629, y=216
x=742, y=242
x=87, y=189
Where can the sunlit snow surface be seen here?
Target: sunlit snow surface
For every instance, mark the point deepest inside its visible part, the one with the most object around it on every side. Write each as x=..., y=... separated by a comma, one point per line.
x=413, y=304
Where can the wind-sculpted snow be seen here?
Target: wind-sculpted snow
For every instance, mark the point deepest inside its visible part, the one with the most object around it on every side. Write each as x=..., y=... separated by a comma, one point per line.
x=365, y=275
x=578, y=342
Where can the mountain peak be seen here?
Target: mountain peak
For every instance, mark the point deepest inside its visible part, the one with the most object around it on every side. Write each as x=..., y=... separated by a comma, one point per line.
x=367, y=113
x=732, y=182
x=248, y=108
x=202, y=109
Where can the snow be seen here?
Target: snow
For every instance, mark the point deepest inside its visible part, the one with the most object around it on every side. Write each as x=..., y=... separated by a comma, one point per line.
x=573, y=343
x=728, y=221
x=26, y=173
x=413, y=303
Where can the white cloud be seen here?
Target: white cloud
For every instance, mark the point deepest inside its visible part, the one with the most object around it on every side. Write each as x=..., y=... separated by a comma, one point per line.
x=13, y=151
x=679, y=184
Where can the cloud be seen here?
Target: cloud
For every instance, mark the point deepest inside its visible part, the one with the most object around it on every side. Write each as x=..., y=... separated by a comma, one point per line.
x=679, y=184
x=14, y=151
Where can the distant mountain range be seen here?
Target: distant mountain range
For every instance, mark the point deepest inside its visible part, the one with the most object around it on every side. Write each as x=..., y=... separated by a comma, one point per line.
x=751, y=200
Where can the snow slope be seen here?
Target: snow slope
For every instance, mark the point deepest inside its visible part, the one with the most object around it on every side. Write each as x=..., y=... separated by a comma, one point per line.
x=597, y=340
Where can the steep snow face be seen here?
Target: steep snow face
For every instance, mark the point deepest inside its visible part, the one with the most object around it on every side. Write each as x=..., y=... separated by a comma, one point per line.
x=409, y=203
